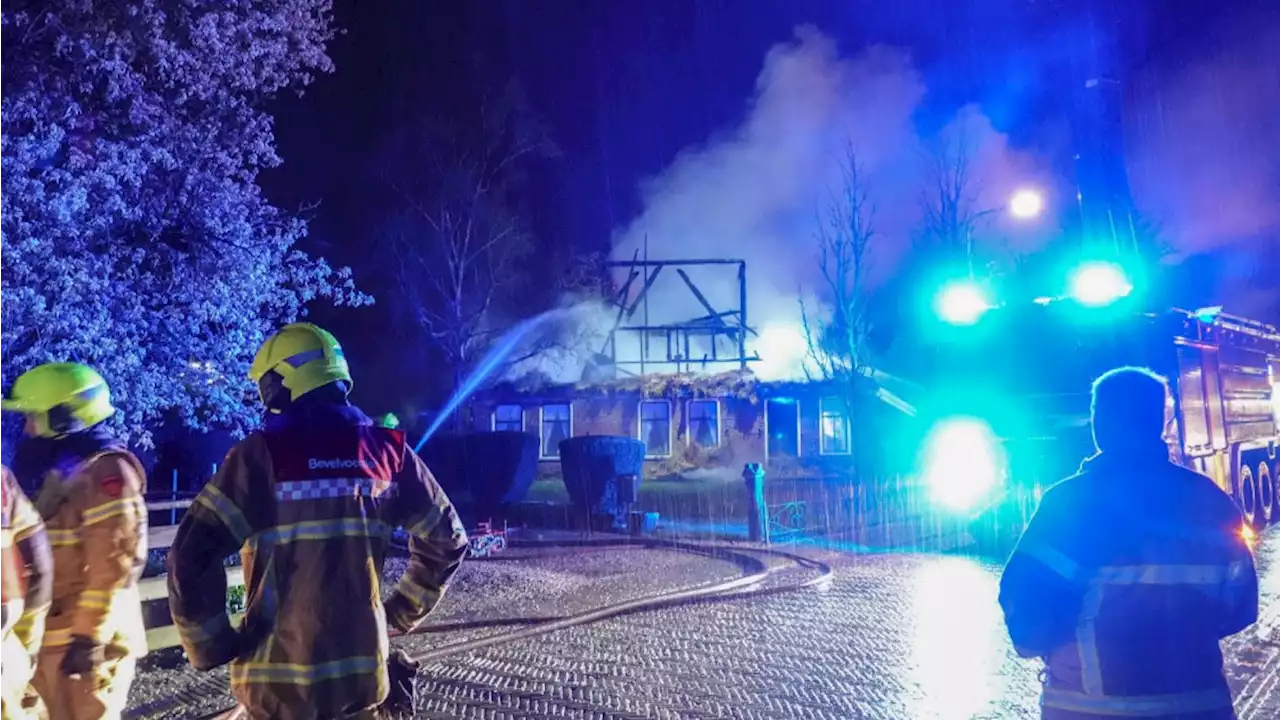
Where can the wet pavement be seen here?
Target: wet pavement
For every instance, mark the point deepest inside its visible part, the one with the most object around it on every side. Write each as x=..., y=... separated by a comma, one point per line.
x=898, y=636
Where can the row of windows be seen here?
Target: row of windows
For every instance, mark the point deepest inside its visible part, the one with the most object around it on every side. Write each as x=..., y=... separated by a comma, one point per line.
x=655, y=426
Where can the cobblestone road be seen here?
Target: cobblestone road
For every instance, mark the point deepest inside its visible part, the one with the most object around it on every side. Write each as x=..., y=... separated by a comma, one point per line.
x=895, y=636
x=900, y=636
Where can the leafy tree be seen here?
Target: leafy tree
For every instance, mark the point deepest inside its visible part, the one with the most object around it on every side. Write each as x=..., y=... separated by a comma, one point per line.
x=135, y=237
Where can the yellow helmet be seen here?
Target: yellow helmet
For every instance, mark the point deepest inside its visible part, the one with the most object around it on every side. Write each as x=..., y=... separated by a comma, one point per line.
x=299, y=358
x=59, y=398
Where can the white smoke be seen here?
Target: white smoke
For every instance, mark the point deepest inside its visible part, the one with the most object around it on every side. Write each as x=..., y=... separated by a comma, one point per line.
x=754, y=192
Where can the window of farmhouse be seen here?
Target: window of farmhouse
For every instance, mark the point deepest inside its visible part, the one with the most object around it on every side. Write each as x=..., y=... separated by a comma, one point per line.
x=508, y=418
x=704, y=423
x=557, y=425
x=835, y=426
x=655, y=427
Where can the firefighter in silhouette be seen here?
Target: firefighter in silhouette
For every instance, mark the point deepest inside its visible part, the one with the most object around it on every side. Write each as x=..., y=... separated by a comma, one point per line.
x=96, y=522
x=1130, y=573
x=28, y=583
x=310, y=502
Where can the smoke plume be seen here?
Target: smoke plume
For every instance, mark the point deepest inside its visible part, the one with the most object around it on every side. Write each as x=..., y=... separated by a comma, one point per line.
x=755, y=192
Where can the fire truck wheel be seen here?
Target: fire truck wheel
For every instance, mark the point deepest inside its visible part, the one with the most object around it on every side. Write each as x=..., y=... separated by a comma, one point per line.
x=1247, y=495
x=1266, y=492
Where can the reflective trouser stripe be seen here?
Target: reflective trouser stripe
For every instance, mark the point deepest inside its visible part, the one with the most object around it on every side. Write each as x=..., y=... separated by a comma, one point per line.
x=1136, y=705
x=300, y=674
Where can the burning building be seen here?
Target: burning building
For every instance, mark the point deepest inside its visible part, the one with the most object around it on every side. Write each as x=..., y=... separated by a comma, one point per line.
x=688, y=387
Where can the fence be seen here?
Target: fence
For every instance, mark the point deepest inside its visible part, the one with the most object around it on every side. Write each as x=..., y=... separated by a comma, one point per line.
x=155, y=589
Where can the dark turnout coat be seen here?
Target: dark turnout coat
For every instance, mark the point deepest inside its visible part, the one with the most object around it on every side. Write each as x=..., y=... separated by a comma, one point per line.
x=1127, y=578
x=310, y=503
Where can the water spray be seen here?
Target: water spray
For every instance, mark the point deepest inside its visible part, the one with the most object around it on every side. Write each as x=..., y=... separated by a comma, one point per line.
x=490, y=362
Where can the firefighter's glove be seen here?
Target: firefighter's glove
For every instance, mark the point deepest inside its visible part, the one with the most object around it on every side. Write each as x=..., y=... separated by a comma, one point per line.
x=401, y=671
x=399, y=612
x=82, y=657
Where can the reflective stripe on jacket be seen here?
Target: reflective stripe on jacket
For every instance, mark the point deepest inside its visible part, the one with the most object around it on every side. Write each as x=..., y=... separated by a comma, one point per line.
x=311, y=507
x=1127, y=578
x=28, y=582
x=96, y=520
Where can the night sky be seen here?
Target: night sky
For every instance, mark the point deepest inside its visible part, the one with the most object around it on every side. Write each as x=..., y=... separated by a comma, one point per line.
x=624, y=86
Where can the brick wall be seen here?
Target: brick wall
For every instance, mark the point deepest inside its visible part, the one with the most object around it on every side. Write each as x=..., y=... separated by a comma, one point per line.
x=742, y=439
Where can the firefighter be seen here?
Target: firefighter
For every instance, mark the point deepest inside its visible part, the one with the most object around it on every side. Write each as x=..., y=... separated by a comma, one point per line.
x=1130, y=573
x=96, y=521
x=310, y=501
x=28, y=582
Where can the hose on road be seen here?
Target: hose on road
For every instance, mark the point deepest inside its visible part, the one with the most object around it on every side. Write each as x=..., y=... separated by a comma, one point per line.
x=756, y=572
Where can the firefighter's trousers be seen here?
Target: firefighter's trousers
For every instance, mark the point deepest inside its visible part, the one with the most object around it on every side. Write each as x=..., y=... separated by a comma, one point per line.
x=99, y=696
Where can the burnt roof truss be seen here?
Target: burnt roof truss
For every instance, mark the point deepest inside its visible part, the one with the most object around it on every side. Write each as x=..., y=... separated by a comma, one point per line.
x=721, y=333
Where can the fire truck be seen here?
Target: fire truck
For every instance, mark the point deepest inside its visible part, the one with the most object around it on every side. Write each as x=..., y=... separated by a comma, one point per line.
x=1007, y=412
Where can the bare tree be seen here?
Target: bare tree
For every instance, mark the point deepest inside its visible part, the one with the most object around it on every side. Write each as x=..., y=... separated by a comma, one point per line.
x=838, y=345
x=949, y=201
x=465, y=266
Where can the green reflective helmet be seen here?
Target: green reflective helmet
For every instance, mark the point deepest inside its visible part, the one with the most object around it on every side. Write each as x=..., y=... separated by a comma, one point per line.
x=60, y=398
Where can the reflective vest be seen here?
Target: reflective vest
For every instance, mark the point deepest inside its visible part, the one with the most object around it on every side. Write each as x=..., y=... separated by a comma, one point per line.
x=1125, y=581
x=311, y=507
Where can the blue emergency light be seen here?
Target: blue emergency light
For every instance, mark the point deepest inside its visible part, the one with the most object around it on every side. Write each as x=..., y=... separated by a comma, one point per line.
x=962, y=302
x=1096, y=283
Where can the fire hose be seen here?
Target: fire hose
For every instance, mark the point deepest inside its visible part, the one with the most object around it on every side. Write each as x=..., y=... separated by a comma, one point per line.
x=744, y=586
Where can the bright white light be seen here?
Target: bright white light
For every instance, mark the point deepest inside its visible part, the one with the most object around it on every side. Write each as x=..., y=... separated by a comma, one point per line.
x=953, y=664
x=961, y=463
x=962, y=303
x=1026, y=204
x=782, y=350
x=1098, y=283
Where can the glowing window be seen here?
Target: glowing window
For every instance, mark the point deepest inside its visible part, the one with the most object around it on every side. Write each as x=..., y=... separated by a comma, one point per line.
x=834, y=421
x=704, y=423
x=557, y=425
x=655, y=427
